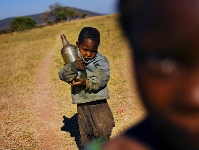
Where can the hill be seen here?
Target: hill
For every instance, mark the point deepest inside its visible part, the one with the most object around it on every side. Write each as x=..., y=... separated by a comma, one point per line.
x=6, y=23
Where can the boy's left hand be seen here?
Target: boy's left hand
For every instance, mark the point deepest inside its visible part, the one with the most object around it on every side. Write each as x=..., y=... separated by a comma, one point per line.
x=78, y=82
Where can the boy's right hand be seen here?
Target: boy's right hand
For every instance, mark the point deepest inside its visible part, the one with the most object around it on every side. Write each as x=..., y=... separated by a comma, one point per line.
x=81, y=64
x=78, y=82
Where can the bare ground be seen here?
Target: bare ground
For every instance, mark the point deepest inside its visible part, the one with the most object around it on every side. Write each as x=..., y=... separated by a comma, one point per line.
x=47, y=128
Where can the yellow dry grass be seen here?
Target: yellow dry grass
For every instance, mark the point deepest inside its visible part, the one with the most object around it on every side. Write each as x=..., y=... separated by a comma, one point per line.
x=20, y=56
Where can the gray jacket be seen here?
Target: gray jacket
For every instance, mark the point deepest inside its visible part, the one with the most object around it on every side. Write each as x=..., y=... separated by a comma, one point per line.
x=98, y=75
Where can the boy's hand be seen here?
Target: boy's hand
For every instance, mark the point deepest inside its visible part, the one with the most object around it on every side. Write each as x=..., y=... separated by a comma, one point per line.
x=81, y=64
x=78, y=82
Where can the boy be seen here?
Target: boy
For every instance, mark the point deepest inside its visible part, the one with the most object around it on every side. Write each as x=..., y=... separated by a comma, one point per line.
x=95, y=118
x=164, y=35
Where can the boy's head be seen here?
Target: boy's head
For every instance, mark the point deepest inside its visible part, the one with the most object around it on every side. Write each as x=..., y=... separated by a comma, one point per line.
x=88, y=42
x=164, y=35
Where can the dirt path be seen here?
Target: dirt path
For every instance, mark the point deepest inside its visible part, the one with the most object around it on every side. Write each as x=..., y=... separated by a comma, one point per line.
x=45, y=107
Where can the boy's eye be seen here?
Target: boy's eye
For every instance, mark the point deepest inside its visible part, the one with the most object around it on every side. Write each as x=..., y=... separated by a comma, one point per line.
x=85, y=50
x=164, y=64
x=92, y=51
x=161, y=64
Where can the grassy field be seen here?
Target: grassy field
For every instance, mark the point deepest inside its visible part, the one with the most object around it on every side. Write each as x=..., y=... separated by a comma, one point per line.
x=21, y=55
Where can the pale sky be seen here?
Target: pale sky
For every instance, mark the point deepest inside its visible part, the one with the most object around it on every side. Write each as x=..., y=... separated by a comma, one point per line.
x=17, y=8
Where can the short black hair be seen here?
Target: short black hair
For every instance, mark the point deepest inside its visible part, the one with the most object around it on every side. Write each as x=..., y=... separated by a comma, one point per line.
x=89, y=32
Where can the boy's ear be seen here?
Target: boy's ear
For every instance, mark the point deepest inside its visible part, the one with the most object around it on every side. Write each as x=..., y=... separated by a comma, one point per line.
x=77, y=44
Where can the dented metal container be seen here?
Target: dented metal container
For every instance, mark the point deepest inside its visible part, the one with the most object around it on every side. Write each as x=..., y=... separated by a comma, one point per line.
x=69, y=54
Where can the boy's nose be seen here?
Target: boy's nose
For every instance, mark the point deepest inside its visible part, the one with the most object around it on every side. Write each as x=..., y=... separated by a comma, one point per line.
x=189, y=92
x=89, y=54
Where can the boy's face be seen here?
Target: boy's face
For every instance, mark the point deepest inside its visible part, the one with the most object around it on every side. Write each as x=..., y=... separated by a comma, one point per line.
x=167, y=67
x=88, y=48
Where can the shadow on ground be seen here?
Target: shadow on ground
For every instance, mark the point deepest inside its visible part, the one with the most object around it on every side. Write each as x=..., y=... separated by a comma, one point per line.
x=71, y=125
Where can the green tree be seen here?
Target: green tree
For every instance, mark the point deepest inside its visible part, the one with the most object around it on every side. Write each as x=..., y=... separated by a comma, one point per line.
x=60, y=13
x=22, y=23
x=65, y=13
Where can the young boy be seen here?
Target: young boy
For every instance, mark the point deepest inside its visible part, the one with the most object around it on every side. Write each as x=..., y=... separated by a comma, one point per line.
x=95, y=118
x=164, y=35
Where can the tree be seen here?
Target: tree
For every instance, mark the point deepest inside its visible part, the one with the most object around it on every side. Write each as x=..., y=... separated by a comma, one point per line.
x=65, y=13
x=45, y=16
x=60, y=13
x=56, y=11
x=83, y=15
x=22, y=23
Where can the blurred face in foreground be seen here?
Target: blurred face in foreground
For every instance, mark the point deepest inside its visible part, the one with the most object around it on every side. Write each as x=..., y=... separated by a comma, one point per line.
x=166, y=50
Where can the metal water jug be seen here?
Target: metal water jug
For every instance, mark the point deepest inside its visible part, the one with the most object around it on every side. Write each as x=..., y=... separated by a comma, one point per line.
x=69, y=54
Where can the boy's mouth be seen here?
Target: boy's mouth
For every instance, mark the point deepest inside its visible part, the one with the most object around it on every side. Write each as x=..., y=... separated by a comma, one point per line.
x=87, y=59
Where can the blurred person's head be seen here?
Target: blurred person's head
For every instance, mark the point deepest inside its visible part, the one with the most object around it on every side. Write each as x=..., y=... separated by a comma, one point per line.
x=164, y=35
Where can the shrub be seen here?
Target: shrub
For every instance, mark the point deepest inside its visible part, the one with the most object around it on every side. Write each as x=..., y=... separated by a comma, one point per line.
x=22, y=23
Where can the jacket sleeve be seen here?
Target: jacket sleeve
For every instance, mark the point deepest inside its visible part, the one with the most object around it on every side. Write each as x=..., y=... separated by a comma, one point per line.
x=100, y=76
x=69, y=72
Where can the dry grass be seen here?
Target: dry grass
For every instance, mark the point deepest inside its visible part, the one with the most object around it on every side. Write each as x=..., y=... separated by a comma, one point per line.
x=20, y=56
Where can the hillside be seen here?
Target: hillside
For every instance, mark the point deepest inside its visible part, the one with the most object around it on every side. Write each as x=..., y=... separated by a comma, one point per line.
x=36, y=107
x=6, y=23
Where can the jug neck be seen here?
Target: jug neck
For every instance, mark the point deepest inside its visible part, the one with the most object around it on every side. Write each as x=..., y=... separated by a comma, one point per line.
x=64, y=40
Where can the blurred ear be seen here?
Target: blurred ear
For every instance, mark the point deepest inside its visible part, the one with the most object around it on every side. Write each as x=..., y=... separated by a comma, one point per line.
x=77, y=44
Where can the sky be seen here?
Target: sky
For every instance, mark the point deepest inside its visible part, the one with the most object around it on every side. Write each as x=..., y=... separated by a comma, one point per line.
x=17, y=8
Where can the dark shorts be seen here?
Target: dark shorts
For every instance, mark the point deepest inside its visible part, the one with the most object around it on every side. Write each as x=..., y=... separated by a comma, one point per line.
x=95, y=120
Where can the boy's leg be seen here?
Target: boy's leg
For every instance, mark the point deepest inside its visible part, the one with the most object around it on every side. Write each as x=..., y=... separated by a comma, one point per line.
x=95, y=120
x=84, y=140
x=103, y=119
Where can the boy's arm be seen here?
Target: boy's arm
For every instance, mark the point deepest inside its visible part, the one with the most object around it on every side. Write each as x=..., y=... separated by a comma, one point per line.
x=69, y=72
x=100, y=76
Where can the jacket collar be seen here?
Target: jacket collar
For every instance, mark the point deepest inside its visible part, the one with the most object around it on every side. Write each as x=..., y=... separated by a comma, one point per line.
x=82, y=58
